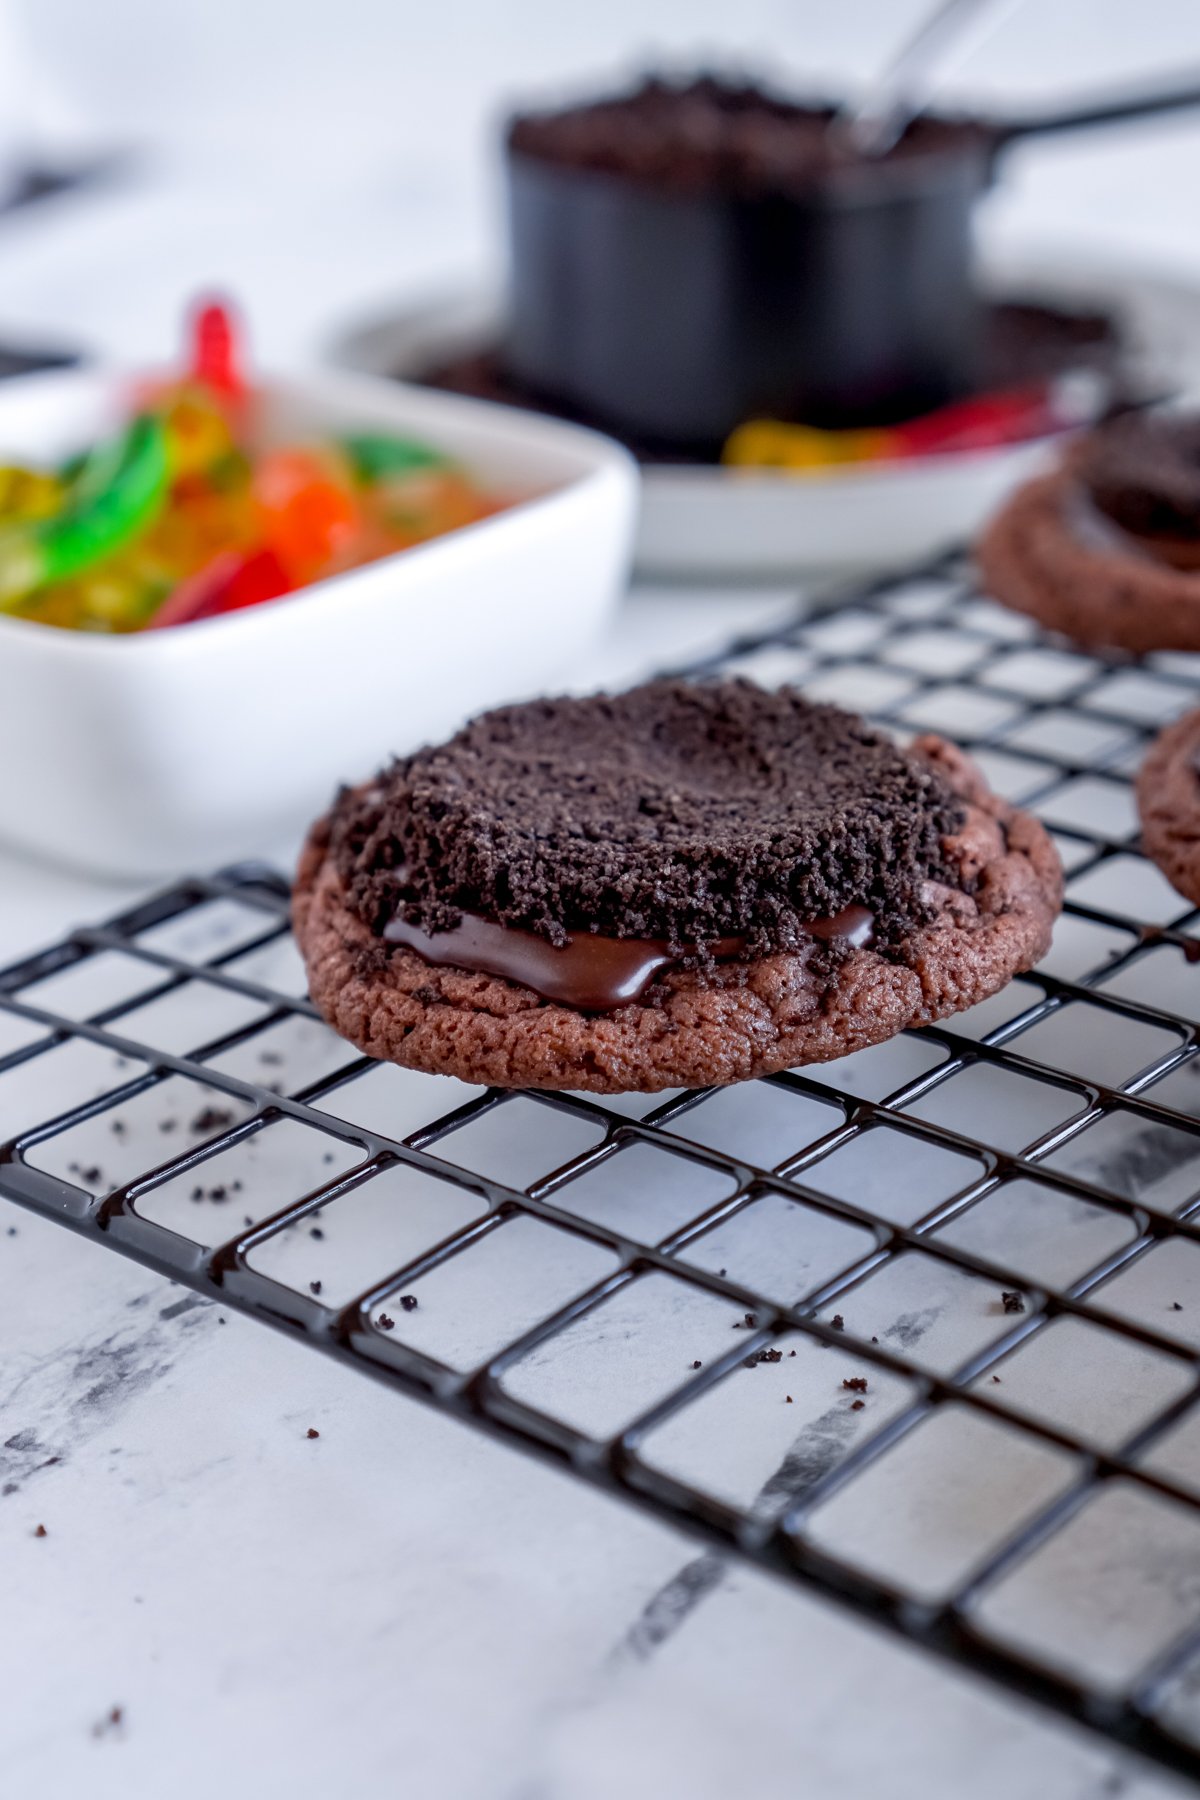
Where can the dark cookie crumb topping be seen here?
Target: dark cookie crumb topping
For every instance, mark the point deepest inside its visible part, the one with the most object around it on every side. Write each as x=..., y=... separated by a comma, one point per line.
x=675, y=811
x=713, y=134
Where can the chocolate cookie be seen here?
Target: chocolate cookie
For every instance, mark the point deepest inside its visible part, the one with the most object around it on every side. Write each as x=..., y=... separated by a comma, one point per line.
x=1107, y=548
x=678, y=886
x=1168, y=797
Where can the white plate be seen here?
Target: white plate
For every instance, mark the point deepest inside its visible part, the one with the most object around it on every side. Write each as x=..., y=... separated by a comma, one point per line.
x=715, y=522
x=167, y=749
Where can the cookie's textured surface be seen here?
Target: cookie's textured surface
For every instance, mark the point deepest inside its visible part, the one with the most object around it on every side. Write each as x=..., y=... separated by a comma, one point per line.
x=678, y=810
x=1087, y=583
x=1168, y=797
x=696, y=1027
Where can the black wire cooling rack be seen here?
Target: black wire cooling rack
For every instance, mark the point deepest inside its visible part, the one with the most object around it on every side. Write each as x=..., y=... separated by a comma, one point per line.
x=921, y=1327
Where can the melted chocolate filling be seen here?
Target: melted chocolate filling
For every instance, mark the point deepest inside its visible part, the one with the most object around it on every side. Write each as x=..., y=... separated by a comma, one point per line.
x=588, y=972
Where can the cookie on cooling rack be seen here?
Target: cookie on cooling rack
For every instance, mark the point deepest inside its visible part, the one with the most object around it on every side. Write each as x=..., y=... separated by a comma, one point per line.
x=1168, y=798
x=1106, y=548
x=680, y=885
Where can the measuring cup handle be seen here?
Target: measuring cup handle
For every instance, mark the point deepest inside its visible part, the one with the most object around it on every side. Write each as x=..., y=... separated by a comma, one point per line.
x=1110, y=109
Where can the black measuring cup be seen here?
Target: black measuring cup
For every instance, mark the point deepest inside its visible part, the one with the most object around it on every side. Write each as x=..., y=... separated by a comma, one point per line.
x=673, y=316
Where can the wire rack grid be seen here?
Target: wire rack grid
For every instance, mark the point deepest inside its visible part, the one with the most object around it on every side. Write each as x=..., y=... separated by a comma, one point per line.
x=920, y=1328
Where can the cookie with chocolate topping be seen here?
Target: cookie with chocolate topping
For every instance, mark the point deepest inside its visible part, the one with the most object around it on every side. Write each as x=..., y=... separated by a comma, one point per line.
x=1168, y=798
x=1106, y=548
x=681, y=885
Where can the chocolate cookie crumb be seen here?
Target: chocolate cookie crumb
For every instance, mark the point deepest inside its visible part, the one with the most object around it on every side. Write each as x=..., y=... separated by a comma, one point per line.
x=212, y=1118
x=312, y=1432
x=40, y=1531
x=697, y=1365
x=384, y=1323
x=314, y=1287
x=1012, y=1301
x=706, y=809
x=315, y=1231
x=857, y=1405
x=837, y=1322
x=856, y=1384
x=408, y=1302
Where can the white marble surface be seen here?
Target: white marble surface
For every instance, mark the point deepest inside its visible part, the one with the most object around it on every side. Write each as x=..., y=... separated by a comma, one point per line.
x=401, y=1604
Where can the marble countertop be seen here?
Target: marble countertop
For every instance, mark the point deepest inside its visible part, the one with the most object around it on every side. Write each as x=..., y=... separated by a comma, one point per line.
x=401, y=1602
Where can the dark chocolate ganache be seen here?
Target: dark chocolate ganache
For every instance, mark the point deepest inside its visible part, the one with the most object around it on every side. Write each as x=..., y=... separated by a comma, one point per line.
x=583, y=846
x=1141, y=474
x=594, y=974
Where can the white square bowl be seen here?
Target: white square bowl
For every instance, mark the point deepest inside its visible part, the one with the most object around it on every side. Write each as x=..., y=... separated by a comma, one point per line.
x=164, y=750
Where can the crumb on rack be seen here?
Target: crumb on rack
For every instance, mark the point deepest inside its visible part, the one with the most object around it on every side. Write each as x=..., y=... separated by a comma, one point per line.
x=212, y=1118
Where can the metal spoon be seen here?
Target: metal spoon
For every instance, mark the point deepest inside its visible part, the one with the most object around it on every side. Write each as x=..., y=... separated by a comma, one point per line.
x=873, y=124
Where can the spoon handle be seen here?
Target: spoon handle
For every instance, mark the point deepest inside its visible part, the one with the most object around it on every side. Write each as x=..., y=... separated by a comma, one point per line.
x=873, y=124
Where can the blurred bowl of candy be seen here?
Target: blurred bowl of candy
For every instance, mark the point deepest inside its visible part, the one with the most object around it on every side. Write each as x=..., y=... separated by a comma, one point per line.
x=217, y=594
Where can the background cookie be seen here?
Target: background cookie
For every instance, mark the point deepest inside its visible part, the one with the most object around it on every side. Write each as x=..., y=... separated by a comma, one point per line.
x=1107, y=549
x=1168, y=797
x=1092, y=585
